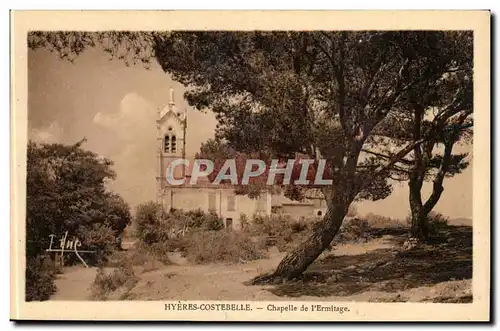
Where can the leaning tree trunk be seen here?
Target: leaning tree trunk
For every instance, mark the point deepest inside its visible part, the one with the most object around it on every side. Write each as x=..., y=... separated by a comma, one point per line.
x=297, y=261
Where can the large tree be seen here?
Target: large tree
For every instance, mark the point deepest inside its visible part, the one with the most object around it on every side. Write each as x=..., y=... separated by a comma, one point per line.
x=66, y=191
x=441, y=109
x=321, y=94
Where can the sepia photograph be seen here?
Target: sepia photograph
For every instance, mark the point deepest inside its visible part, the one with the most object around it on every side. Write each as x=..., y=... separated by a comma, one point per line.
x=224, y=172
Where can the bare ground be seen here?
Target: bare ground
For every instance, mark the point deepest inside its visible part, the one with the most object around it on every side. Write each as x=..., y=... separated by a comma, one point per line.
x=372, y=271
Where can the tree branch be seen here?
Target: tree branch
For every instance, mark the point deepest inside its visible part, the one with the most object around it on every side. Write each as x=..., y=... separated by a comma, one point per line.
x=387, y=157
x=341, y=90
x=397, y=157
x=437, y=188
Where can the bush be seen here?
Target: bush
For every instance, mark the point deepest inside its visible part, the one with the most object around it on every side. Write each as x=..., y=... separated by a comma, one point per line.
x=148, y=221
x=272, y=226
x=353, y=230
x=299, y=226
x=382, y=222
x=291, y=240
x=40, y=275
x=168, y=229
x=245, y=224
x=204, y=221
x=221, y=246
x=280, y=231
x=105, y=284
x=160, y=250
x=66, y=192
x=142, y=258
x=138, y=256
x=437, y=222
x=100, y=238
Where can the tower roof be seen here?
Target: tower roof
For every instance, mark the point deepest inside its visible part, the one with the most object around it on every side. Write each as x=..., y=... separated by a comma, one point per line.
x=171, y=111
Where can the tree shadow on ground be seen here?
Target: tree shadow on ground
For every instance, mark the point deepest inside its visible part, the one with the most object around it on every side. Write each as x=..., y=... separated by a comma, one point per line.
x=446, y=257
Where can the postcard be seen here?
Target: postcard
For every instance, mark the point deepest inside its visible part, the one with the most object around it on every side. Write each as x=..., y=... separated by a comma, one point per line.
x=250, y=165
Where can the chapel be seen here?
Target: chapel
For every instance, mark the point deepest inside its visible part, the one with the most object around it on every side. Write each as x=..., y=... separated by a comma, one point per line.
x=172, y=136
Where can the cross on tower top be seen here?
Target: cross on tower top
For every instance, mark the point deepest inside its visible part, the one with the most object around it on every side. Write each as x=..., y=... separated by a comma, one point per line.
x=171, y=102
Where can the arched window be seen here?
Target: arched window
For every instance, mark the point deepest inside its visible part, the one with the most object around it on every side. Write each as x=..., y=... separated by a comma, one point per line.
x=174, y=144
x=170, y=142
x=319, y=213
x=166, y=144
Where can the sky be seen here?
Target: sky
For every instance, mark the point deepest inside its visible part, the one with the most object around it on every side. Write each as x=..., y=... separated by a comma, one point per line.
x=115, y=108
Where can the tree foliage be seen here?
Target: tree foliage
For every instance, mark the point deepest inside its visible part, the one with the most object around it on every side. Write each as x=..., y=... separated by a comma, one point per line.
x=131, y=47
x=219, y=151
x=440, y=109
x=333, y=95
x=320, y=94
x=66, y=191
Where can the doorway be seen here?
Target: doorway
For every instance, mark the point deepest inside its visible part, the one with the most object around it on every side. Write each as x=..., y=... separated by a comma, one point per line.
x=229, y=224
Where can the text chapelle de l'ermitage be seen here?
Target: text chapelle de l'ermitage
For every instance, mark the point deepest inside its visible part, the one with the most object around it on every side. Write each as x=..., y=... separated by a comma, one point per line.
x=253, y=168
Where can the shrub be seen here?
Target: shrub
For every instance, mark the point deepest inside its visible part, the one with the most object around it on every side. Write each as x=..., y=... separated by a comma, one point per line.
x=138, y=256
x=280, y=231
x=273, y=225
x=437, y=222
x=99, y=238
x=245, y=224
x=382, y=222
x=205, y=221
x=145, y=257
x=105, y=284
x=40, y=275
x=213, y=223
x=172, y=245
x=299, y=226
x=221, y=246
x=166, y=231
x=353, y=230
x=160, y=250
x=66, y=192
x=147, y=220
x=290, y=240
x=145, y=253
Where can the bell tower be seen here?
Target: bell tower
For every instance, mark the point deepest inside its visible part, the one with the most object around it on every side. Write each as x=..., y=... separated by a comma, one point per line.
x=171, y=127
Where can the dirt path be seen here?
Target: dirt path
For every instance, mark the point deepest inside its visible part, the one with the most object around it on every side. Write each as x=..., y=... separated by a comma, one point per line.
x=180, y=282
x=189, y=282
x=74, y=283
x=226, y=282
x=205, y=282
